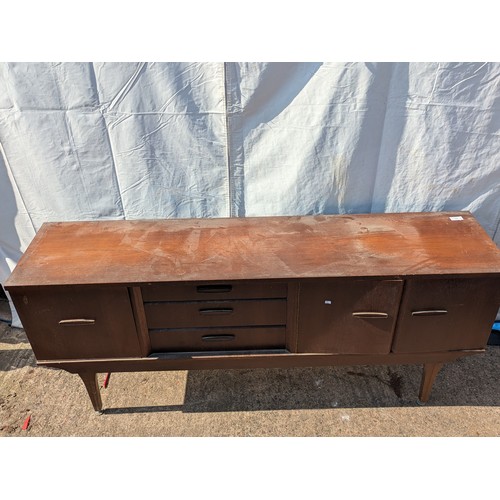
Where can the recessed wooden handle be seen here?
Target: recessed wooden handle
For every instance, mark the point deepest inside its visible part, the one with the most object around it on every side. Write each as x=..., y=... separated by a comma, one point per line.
x=430, y=312
x=214, y=288
x=77, y=322
x=217, y=338
x=370, y=315
x=217, y=310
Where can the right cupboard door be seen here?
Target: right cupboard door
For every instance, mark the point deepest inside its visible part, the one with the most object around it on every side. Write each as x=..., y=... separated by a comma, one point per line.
x=446, y=314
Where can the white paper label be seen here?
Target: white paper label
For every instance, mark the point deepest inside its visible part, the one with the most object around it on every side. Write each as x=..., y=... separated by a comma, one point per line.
x=458, y=217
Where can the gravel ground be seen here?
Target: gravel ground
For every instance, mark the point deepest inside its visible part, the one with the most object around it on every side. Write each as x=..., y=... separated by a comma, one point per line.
x=341, y=401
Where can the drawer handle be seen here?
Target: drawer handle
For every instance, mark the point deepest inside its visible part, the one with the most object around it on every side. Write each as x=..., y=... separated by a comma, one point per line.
x=430, y=312
x=218, y=310
x=217, y=338
x=77, y=322
x=370, y=315
x=214, y=288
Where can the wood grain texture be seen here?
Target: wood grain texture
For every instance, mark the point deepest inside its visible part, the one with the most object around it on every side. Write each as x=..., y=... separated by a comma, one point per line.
x=327, y=321
x=140, y=320
x=250, y=359
x=217, y=339
x=428, y=377
x=215, y=313
x=292, y=316
x=173, y=292
x=112, y=332
x=466, y=310
x=92, y=386
x=183, y=250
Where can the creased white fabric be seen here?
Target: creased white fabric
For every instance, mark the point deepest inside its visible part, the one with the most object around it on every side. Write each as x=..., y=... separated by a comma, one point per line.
x=85, y=141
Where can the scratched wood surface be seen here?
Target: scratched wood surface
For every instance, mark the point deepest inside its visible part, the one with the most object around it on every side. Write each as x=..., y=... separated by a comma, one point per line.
x=112, y=252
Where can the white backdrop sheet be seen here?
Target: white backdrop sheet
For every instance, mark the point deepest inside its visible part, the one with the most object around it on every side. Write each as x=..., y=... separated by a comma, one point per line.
x=86, y=141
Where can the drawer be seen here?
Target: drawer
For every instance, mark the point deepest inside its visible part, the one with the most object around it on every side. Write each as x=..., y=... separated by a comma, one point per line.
x=217, y=339
x=214, y=291
x=73, y=322
x=215, y=313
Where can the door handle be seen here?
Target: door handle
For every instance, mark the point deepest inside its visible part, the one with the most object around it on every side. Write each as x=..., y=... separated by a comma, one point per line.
x=216, y=310
x=370, y=315
x=217, y=338
x=214, y=288
x=77, y=322
x=430, y=312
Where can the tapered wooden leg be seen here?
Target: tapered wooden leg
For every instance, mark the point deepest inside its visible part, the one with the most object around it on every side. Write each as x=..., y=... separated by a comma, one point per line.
x=428, y=377
x=90, y=381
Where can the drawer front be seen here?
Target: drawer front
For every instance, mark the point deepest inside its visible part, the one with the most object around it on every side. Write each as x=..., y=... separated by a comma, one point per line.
x=69, y=323
x=215, y=313
x=213, y=291
x=348, y=316
x=217, y=339
x=446, y=314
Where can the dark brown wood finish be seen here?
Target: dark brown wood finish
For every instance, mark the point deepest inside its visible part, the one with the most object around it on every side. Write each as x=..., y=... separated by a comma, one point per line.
x=92, y=386
x=292, y=313
x=52, y=318
x=429, y=375
x=216, y=339
x=215, y=313
x=348, y=316
x=448, y=314
x=140, y=320
x=257, y=293
x=131, y=252
x=227, y=360
x=214, y=291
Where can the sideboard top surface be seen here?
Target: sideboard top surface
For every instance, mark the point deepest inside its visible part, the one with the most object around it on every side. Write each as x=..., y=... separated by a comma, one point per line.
x=174, y=250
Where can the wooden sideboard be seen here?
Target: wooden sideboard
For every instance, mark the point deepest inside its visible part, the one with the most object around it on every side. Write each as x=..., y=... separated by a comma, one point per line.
x=184, y=294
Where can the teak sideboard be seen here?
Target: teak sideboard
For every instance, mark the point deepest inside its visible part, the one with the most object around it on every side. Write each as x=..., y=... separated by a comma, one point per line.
x=262, y=292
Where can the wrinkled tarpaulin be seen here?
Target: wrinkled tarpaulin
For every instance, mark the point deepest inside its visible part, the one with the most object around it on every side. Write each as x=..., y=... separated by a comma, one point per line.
x=137, y=140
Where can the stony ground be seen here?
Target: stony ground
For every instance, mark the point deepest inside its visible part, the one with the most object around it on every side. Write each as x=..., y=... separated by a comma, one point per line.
x=347, y=401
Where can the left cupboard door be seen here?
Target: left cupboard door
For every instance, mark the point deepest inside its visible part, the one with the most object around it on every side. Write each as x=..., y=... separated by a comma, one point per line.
x=78, y=322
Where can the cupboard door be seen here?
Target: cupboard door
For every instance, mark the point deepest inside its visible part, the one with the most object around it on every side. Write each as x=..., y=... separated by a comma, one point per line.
x=348, y=316
x=78, y=323
x=446, y=314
